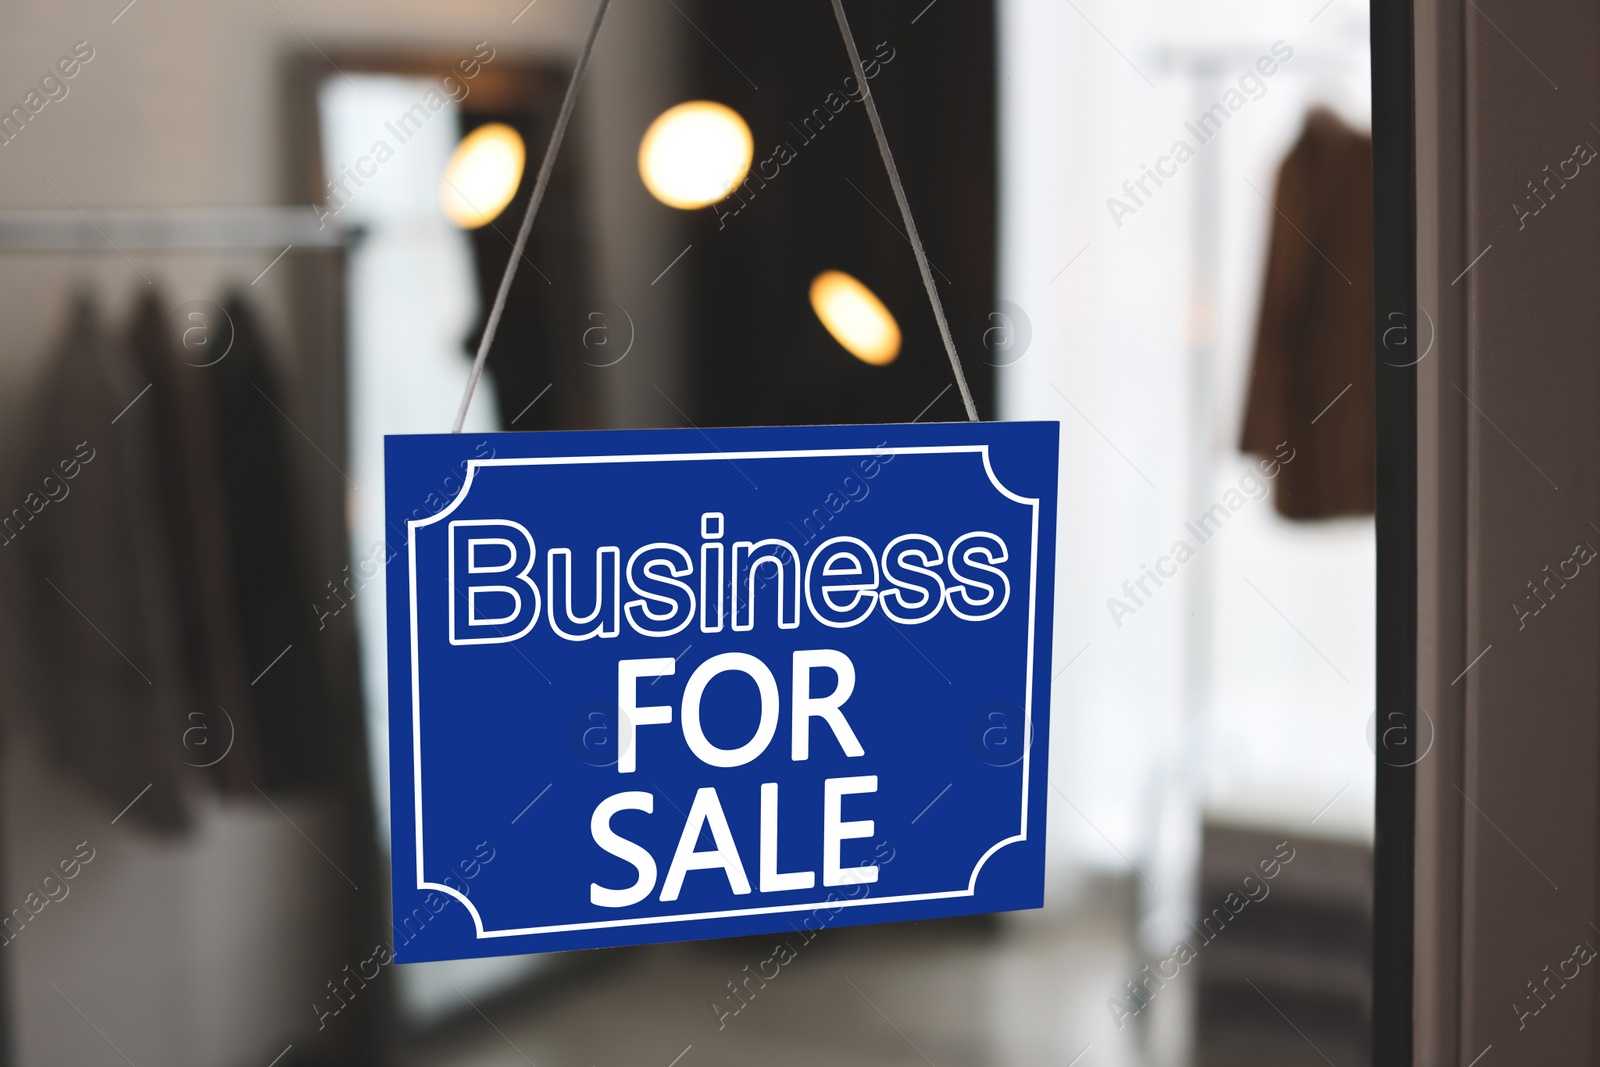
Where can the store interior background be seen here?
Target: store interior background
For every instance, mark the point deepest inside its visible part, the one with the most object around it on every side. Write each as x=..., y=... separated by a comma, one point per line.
x=1228, y=713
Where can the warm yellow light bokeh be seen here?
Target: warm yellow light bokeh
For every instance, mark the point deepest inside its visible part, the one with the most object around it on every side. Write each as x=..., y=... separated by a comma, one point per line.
x=482, y=175
x=855, y=317
x=694, y=154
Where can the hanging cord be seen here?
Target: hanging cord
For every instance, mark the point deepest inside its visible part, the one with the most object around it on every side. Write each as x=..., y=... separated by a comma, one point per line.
x=546, y=165
x=905, y=210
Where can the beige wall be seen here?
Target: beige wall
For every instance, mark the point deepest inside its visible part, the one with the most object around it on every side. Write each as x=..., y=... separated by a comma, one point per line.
x=1509, y=446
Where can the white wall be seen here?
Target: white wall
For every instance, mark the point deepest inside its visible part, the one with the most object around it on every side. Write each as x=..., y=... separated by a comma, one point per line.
x=1142, y=742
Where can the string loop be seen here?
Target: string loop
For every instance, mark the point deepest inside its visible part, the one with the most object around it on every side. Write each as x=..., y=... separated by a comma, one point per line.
x=905, y=210
x=546, y=165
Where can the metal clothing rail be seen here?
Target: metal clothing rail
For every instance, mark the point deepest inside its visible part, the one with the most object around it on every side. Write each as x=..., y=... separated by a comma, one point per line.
x=179, y=229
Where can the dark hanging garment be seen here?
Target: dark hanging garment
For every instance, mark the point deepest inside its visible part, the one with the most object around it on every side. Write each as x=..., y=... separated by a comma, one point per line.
x=1314, y=341
x=180, y=415
x=276, y=596
x=103, y=683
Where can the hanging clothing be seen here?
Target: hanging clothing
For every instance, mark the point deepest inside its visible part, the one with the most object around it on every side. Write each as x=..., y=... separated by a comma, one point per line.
x=1312, y=382
x=165, y=606
x=183, y=422
x=276, y=596
x=103, y=686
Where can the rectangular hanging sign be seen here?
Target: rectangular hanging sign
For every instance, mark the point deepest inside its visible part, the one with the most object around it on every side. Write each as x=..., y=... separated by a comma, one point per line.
x=662, y=685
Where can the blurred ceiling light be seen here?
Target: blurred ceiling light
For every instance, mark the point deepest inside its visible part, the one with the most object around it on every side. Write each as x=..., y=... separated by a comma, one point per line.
x=695, y=154
x=855, y=317
x=482, y=175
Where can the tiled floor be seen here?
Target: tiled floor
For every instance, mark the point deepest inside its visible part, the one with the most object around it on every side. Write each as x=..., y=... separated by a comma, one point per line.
x=1027, y=989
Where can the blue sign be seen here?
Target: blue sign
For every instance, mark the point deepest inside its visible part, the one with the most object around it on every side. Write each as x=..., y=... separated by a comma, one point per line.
x=663, y=685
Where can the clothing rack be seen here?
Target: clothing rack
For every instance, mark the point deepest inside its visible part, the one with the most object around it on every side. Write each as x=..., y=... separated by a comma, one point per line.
x=1198, y=61
x=175, y=229
x=276, y=229
x=1208, y=70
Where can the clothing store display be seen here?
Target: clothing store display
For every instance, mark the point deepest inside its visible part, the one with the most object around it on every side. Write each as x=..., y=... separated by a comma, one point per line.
x=164, y=689
x=1312, y=380
x=104, y=686
x=274, y=593
x=166, y=603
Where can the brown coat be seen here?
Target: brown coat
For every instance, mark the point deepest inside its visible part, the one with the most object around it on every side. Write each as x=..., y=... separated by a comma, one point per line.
x=1311, y=384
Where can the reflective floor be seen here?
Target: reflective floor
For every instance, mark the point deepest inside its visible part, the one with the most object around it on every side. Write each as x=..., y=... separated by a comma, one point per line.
x=1020, y=989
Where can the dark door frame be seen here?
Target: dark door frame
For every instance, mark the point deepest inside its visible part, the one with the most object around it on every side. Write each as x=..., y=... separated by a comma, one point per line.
x=1488, y=802
x=1395, y=345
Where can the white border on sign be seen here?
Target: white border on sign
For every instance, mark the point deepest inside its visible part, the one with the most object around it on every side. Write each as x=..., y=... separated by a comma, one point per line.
x=650, y=920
